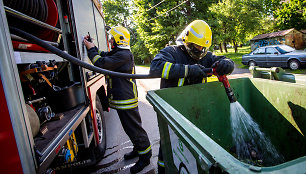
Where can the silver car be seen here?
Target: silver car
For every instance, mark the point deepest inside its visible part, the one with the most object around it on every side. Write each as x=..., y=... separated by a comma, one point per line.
x=276, y=56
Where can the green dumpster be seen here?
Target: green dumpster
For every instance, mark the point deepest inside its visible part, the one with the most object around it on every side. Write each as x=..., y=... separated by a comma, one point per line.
x=195, y=129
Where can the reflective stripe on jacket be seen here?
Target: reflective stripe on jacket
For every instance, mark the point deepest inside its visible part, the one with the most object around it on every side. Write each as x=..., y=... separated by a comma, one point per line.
x=122, y=93
x=171, y=64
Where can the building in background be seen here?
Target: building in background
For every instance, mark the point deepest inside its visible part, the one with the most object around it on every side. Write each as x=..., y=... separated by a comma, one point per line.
x=291, y=37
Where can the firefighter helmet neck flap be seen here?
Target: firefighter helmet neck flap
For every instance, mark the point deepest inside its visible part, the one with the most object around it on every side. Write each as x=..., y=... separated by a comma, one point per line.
x=197, y=38
x=121, y=36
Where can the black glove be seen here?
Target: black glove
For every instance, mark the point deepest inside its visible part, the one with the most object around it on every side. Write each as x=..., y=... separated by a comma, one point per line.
x=196, y=70
x=224, y=66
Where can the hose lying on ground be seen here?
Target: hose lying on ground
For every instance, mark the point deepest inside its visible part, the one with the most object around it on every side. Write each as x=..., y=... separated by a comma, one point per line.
x=75, y=60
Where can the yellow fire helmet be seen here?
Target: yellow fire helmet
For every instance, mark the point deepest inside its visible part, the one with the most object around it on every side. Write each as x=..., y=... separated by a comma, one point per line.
x=197, y=32
x=121, y=36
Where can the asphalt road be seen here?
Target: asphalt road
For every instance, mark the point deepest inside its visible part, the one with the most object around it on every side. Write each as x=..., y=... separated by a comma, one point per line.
x=118, y=142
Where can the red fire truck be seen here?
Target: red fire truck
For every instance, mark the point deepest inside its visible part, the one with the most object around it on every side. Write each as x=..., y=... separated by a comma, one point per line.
x=52, y=111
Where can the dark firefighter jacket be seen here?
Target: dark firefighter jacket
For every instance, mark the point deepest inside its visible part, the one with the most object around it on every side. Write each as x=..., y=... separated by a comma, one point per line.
x=122, y=93
x=171, y=63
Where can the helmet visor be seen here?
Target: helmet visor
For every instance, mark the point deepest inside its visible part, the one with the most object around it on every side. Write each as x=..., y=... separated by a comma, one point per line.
x=195, y=51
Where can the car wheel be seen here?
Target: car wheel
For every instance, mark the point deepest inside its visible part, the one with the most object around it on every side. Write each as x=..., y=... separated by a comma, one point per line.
x=100, y=149
x=252, y=63
x=294, y=64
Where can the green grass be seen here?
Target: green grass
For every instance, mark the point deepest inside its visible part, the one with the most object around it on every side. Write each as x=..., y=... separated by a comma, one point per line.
x=146, y=65
x=236, y=57
x=299, y=71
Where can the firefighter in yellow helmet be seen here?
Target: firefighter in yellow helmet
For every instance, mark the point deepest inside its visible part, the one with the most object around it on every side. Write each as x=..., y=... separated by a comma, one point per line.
x=197, y=39
x=121, y=37
x=183, y=63
x=122, y=93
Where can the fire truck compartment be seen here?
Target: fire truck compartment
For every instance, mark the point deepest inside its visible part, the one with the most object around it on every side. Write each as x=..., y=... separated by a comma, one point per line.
x=46, y=87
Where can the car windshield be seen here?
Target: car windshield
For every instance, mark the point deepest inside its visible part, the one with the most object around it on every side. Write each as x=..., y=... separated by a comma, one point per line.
x=284, y=49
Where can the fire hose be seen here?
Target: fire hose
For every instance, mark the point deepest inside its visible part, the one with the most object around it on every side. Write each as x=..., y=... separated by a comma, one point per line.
x=210, y=71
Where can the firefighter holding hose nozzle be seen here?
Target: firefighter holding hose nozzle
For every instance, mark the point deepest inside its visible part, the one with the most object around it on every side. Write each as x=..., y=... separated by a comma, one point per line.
x=184, y=63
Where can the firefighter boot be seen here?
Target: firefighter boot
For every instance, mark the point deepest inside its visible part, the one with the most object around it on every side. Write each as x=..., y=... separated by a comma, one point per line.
x=131, y=155
x=143, y=161
x=161, y=170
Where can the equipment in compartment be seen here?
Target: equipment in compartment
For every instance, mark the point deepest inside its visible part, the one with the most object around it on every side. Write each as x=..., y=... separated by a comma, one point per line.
x=39, y=17
x=34, y=79
x=37, y=69
x=64, y=155
x=41, y=80
x=69, y=151
x=34, y=120
x=66, y=97
x=35, y=76
x=45, y=113
x=73, y=147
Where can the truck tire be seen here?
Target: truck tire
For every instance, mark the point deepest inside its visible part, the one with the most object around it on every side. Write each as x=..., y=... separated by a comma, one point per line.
x=101, y=147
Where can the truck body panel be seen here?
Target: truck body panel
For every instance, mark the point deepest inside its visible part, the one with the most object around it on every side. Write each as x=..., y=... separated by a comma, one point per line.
x=41, y=80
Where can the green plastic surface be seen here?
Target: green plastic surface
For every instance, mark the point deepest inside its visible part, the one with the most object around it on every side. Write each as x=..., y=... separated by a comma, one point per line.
x=200, y=116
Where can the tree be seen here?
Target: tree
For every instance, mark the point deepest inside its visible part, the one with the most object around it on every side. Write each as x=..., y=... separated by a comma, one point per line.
x=160, y=25
x=270, y=6
x=292, y=14
x=116, y=12
x=234, y=20
x=156, y=23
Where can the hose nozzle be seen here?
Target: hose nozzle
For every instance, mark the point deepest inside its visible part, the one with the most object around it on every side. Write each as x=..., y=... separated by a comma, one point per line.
x=229, y=92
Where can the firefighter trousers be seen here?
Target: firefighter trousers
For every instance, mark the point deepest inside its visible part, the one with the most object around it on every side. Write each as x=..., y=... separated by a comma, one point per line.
x=131, y=123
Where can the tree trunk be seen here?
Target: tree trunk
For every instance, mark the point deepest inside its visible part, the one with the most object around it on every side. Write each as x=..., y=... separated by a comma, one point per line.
x=235, y=46
x=224, y=45
x=220, y=47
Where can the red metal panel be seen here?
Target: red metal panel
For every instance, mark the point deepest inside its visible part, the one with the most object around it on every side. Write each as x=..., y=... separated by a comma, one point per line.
x=92, y=91
x=9, y=160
